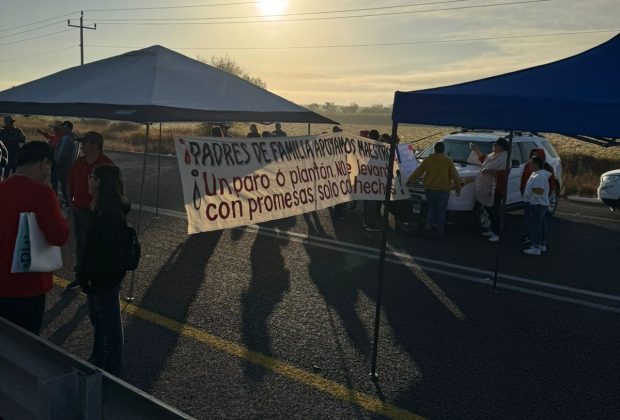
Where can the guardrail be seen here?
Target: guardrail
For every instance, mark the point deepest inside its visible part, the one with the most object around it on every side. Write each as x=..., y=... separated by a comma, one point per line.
x=39, y=380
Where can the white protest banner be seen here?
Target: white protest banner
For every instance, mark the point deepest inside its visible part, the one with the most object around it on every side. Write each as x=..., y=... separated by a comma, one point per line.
x=407, y=160
x=230, y=182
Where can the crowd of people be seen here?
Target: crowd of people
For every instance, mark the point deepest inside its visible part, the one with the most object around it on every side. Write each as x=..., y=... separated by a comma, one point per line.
x=537, y=181
x=68, y=177
x=65, y=178
x=221, y=130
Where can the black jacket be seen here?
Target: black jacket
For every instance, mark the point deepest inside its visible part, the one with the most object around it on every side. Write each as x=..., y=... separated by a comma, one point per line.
x=101, y=269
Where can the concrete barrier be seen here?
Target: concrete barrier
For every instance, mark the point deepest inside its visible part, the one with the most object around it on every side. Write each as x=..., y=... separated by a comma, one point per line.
x=39, y=380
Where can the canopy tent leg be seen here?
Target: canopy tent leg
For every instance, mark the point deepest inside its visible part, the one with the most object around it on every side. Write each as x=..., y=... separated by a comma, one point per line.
x=386, y=216
x=308, y=128
x=131, y=297
x=502, y=210
x=158, y=174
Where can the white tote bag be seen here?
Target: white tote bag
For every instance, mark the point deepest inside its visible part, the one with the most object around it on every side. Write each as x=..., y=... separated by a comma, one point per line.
x=33, y=254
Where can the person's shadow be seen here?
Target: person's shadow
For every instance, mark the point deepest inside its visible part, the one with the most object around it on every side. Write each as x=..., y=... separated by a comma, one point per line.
x=339, y=286
x=270, y=281
x=170, y=294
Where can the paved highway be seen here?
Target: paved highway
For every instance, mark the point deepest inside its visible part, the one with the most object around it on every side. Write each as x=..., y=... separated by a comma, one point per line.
x=276, y=320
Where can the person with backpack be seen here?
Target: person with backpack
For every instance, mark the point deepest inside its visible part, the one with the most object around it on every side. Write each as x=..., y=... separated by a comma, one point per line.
x=103, y=267
x=78, y=190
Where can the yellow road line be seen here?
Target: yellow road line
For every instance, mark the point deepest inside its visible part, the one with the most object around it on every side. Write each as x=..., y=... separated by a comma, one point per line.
x=335, y=389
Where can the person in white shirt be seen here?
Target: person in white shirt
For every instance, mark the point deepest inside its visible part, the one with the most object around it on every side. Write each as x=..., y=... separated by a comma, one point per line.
x=536, y=194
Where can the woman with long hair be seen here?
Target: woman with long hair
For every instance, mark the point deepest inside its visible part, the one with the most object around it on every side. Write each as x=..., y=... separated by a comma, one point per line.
x=102, y=271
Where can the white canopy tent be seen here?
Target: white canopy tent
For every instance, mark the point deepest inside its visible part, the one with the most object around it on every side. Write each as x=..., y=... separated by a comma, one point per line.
x=151, y=85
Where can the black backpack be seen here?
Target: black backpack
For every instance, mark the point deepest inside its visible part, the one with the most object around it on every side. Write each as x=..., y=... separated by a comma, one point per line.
x=131, y=250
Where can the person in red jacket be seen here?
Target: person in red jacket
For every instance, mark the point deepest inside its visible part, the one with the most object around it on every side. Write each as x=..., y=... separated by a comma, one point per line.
x=22, y=295
x=78, y=193
x=527, y=172
x=54, y=140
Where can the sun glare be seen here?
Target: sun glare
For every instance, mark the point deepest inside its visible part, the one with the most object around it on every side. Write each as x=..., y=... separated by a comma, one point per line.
x=272, y=7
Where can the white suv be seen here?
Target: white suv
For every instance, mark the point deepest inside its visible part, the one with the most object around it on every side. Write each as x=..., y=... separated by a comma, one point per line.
x=457, y=148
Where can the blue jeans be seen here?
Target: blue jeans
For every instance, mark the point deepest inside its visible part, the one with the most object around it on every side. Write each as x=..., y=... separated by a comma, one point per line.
x=436, y=210
x=537, y=224
x=104, y=311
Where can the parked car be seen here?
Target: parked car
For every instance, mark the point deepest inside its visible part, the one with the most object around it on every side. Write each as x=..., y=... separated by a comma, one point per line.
x=609, y=189
x=457, y=148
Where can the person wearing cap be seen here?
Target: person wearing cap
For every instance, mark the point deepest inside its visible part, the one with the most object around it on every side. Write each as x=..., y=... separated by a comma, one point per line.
x=64, y=156
x=526, y=241
x=55, y=136
x=12, y=138
x=22, y=295
x=491, y=182
x=78, y=193
x=536, y=195
x=278, y=132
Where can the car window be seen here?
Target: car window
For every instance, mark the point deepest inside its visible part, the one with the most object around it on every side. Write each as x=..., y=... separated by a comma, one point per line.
x=516, y=154
x=526, y=147
x=458, y=150
x=549, y=149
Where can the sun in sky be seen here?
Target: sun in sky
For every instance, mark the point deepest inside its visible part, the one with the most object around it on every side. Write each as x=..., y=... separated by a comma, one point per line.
x=272, y=7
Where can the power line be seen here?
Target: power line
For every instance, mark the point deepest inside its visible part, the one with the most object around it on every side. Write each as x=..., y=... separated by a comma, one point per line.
x=172, y=7
x=38, y=21
x=32, y=29
x=384, y=44
x=365, y=9
x=34, y=37
x=137, y=22
x=36, y=54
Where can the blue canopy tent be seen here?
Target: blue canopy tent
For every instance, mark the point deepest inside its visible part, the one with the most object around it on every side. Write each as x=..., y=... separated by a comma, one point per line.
x=577, y=96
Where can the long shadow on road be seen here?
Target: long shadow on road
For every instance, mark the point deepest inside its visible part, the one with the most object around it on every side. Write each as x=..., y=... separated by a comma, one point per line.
x=268, y=285
x=338, y=286
x=509, y=355
x=171, y=294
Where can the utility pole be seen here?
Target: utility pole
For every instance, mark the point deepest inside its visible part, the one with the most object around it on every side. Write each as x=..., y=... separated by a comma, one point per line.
x=82, y=27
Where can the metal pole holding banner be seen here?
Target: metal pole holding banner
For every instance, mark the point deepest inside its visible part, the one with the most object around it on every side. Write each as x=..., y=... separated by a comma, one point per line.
x=158, y=172
x=386, y=215
x=146, y=148
x=502, y=208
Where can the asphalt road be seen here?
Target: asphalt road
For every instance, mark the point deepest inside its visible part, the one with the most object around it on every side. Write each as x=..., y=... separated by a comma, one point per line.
x=276, y=320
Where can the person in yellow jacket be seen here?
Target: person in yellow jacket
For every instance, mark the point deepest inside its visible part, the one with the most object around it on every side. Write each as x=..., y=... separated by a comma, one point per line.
x=439, y=175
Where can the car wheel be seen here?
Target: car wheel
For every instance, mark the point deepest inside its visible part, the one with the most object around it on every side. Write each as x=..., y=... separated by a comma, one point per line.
x=482, y=218
x=554, y=197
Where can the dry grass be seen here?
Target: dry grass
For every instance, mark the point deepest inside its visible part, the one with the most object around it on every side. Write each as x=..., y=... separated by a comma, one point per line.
x=582, y=163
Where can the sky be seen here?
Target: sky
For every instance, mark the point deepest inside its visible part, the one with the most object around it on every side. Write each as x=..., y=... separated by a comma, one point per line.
x=340, y=51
